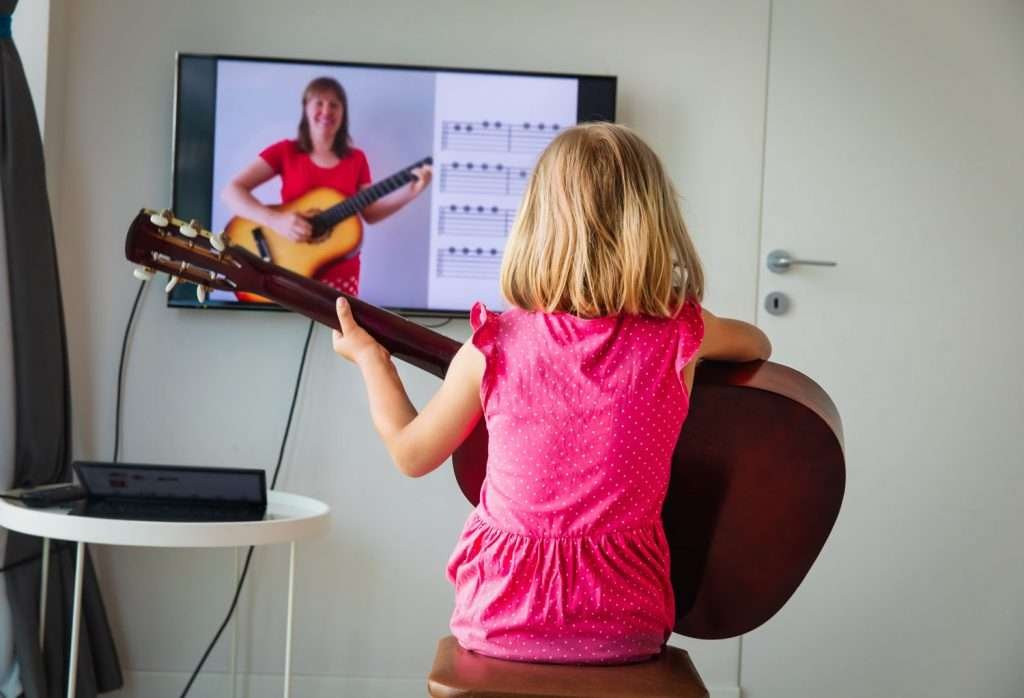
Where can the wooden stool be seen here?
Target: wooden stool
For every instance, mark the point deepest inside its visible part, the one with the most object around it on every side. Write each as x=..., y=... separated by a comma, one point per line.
x=458, y=673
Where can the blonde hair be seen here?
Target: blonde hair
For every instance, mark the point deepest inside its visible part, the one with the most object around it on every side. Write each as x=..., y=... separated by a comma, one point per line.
x=599, y=231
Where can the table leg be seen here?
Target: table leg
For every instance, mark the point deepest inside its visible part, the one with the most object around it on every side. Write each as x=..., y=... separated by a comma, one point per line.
x=76, y=618
x=234, y=632
x=288, y=636
x=43, y=585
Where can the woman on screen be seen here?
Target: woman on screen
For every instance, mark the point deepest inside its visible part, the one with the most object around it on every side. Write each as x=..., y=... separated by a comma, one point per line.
x=319, y=169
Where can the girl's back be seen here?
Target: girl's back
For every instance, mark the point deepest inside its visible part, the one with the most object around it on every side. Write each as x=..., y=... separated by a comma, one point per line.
x=565, y=559
x=582, y=383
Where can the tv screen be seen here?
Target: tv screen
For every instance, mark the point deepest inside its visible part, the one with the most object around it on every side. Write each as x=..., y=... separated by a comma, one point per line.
x=305, y=199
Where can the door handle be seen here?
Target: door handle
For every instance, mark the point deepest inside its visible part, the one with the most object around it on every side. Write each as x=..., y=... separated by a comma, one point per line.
x=780, y=261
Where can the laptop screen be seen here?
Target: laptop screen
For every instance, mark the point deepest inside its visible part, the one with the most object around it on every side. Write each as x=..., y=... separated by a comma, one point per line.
x=235, y=485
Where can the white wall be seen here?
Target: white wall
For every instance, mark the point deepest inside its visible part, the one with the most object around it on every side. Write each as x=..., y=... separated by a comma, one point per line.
x=214, y=387
x=30, y=29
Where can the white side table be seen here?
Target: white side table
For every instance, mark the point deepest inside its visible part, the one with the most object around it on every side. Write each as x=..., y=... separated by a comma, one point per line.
x=290, y=518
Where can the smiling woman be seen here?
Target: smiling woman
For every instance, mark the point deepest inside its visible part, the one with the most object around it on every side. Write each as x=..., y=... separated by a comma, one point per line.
x=321, y=157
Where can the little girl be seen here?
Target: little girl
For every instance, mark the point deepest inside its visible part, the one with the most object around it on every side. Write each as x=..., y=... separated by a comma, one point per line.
x=584, y=382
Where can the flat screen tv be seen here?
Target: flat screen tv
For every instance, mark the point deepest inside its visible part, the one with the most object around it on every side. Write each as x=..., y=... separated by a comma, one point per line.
x=434, y=254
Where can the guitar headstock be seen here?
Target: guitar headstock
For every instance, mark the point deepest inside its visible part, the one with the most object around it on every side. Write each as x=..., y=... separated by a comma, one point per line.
x=157, y=241
x=160, y=242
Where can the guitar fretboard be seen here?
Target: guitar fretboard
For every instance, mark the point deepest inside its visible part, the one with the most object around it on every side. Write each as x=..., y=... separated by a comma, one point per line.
x=349, y=207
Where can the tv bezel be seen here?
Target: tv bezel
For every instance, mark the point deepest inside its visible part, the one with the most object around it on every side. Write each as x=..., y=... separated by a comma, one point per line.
x=177, y=298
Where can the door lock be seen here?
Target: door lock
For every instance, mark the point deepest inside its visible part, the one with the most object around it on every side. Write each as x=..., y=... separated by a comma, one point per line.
x=776, y=303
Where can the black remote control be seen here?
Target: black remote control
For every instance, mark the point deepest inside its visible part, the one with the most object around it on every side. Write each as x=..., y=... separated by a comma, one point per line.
x=49, y=495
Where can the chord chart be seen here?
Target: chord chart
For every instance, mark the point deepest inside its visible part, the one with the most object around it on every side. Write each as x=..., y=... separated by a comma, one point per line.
x=475, y=220
x=468, y=263
x=483, y=178
x=494, y=136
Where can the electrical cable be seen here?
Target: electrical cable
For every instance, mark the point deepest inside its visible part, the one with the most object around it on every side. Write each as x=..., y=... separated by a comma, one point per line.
x=273, y=483
x=120, y=369
x=440, y=324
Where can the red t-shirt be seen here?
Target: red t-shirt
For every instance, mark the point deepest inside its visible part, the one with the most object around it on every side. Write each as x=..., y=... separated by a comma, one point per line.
x=299, y=174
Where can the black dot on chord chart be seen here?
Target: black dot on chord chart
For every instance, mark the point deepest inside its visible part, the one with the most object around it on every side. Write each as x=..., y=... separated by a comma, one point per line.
x=455, y=165
x=479, y=250
x=467, y=208
x=554, y=127
x=526, y=125
x=469, y=127
x=480, y=209
x=465, y=250
x=497, y=124
x=540, y=126
x=499, y=167
x=453, y=207
x=469, y=166
x=451, y=250
x=494, y=209
x=483, y=166
x=458, y=127
x=486, y=124
x=494, y=251
x=522, y=173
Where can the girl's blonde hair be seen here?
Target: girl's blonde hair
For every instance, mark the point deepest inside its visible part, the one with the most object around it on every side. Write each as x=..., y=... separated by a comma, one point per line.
x=599, y=231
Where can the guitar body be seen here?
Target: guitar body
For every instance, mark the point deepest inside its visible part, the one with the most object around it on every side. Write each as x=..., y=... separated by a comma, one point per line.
x=308, y=259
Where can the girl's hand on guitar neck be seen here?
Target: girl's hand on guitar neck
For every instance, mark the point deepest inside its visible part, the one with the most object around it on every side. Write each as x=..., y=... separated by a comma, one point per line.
x=292, y=225
x=353, y=342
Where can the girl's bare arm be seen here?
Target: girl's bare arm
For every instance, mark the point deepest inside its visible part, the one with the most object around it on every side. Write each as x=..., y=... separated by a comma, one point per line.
x=726, y=339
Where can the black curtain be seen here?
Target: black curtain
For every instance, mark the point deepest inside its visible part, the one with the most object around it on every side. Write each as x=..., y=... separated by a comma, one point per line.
x=42, y=408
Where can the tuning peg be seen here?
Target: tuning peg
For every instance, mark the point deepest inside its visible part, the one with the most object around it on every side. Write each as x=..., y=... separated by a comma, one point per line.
x=201, y=293
x=191, y=229
x=143, y=273
x=171, y=284
x=159, y=220
x=217, y=242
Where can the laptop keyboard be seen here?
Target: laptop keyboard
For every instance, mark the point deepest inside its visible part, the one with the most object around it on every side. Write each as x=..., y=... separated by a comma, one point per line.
x=161, y=511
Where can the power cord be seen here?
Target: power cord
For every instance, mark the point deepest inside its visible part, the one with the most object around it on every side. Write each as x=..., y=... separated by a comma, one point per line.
x=120, y=369
x=273, y=483
x=440, y=324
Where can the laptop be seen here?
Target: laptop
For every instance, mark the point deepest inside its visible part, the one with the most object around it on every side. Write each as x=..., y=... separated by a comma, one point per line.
x=170, y=492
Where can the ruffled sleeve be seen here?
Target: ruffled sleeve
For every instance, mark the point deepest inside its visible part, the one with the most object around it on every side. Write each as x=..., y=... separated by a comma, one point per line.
x=485, y=325
x=485, y=329
x=691, y=333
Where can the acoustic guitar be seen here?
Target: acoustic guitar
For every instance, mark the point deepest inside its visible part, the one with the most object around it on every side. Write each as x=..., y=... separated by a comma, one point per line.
x=337, y=230
x=758, y=472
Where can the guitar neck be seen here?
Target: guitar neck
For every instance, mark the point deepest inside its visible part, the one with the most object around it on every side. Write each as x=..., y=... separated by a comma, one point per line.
x=351, y=206
x=403, y=338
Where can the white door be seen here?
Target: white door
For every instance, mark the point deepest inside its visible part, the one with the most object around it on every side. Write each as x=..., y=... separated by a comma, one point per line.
x=895, y=147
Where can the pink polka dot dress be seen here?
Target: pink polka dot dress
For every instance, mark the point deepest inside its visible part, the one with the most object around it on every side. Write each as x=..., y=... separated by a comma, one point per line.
x=565, y=560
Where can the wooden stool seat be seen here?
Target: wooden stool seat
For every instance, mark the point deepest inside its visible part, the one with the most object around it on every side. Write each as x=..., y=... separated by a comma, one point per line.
x=458, y=673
